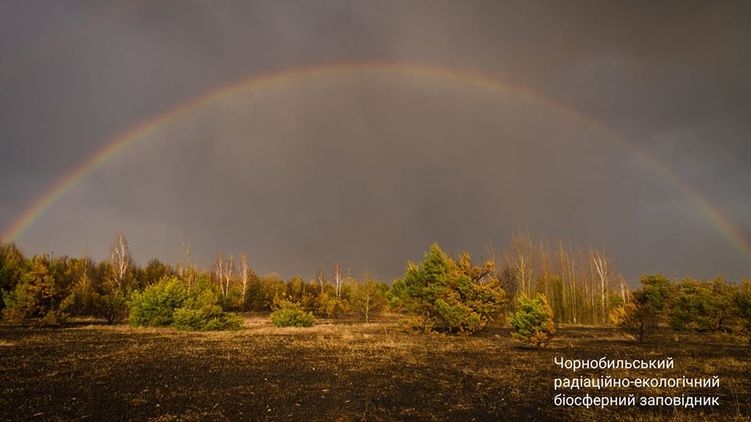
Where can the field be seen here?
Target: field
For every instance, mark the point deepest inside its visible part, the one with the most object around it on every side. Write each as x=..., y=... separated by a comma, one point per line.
x=344, y=372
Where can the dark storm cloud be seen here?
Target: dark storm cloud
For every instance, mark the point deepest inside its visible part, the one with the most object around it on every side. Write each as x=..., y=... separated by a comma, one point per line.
x=363, y=168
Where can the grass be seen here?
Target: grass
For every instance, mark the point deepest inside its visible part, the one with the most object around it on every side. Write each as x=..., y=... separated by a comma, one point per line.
x=339, y=372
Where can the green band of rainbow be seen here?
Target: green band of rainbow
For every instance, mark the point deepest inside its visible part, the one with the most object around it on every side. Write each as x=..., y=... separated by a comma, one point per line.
x=469, y=78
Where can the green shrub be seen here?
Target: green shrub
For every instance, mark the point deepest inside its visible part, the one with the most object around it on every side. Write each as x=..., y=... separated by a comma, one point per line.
x=207, y=318
x=290, y=315
x=156, y=304
x=170, y=303
x=533, y=321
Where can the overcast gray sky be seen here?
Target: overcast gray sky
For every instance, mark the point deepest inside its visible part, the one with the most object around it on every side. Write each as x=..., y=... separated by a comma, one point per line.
x=367, y=168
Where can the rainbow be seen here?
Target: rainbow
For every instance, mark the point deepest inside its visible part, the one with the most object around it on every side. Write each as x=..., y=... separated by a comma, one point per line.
x=468, y=78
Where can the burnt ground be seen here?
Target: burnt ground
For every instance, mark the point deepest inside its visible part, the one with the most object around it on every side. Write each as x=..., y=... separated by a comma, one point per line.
x=342, y=372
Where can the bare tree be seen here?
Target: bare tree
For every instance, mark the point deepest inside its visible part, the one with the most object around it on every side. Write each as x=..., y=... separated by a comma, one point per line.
x=121, y=261
x=244, y=277
x=367, y=291
x=545, y=264
x=338, y=280
x=113, y=306
x=576, y=281
x=321, y=278
x=186, y=271
x=506, y=274
x=522, y=250
x=601, y=264
x=218, y=269
x=624, y=290
x=569, y=273
x=509, y=283
x=224, y=272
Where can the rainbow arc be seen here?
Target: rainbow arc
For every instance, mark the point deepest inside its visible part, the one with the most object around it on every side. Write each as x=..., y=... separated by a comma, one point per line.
x=468, y=79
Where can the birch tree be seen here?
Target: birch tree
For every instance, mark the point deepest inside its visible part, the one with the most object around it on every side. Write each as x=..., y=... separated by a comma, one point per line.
x=601, y=265
x=121, y=261
x=522, y=250
x=321, y=278
x=369, y=298
x=119, y=270
x=244, y=277
x=338, y=281
x=186, y=270
x=224, y=273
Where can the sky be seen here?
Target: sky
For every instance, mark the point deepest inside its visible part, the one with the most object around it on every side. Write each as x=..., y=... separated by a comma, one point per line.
x=376, y=128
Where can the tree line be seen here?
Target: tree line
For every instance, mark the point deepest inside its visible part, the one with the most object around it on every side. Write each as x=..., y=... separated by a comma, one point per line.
x=687, y=304
x=47, y=290
x=443, y=292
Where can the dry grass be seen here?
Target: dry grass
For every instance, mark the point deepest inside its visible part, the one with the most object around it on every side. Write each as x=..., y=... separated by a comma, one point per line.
x=336, y=372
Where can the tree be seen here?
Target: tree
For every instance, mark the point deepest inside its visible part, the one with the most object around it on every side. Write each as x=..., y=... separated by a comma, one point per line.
x=509, y=281
x=332, y=300
x=723, y=312
x=702, y=306
x=602, y=268
x=186, y=270
x=154, y=271
x=369, y=298
x=119, y=281
x=522, y=251
x=450, y=296
x=690, y=305
x=224, y=269
x=264, y=291
x=642, y=316
x=338, y=281
x=655, y=293
x=532, y=322
x=638, y=321
x=289, y=314
x=170, y=303
x=578, y=283
x=743, y=305
x=569, y=269
x=156, y=305
x=12, y=266
x=246, y=275
x=42, y=294
x=327, y=304
x=122, y=262
x=84, y=296
x=320, y=278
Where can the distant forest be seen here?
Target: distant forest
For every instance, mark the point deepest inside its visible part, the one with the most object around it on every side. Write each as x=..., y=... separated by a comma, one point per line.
x=580, y=286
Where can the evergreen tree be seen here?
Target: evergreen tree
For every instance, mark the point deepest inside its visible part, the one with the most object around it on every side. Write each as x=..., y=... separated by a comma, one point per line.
x=532, y=321
x=450, y=296
x=42, y=293
x=12, y=266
